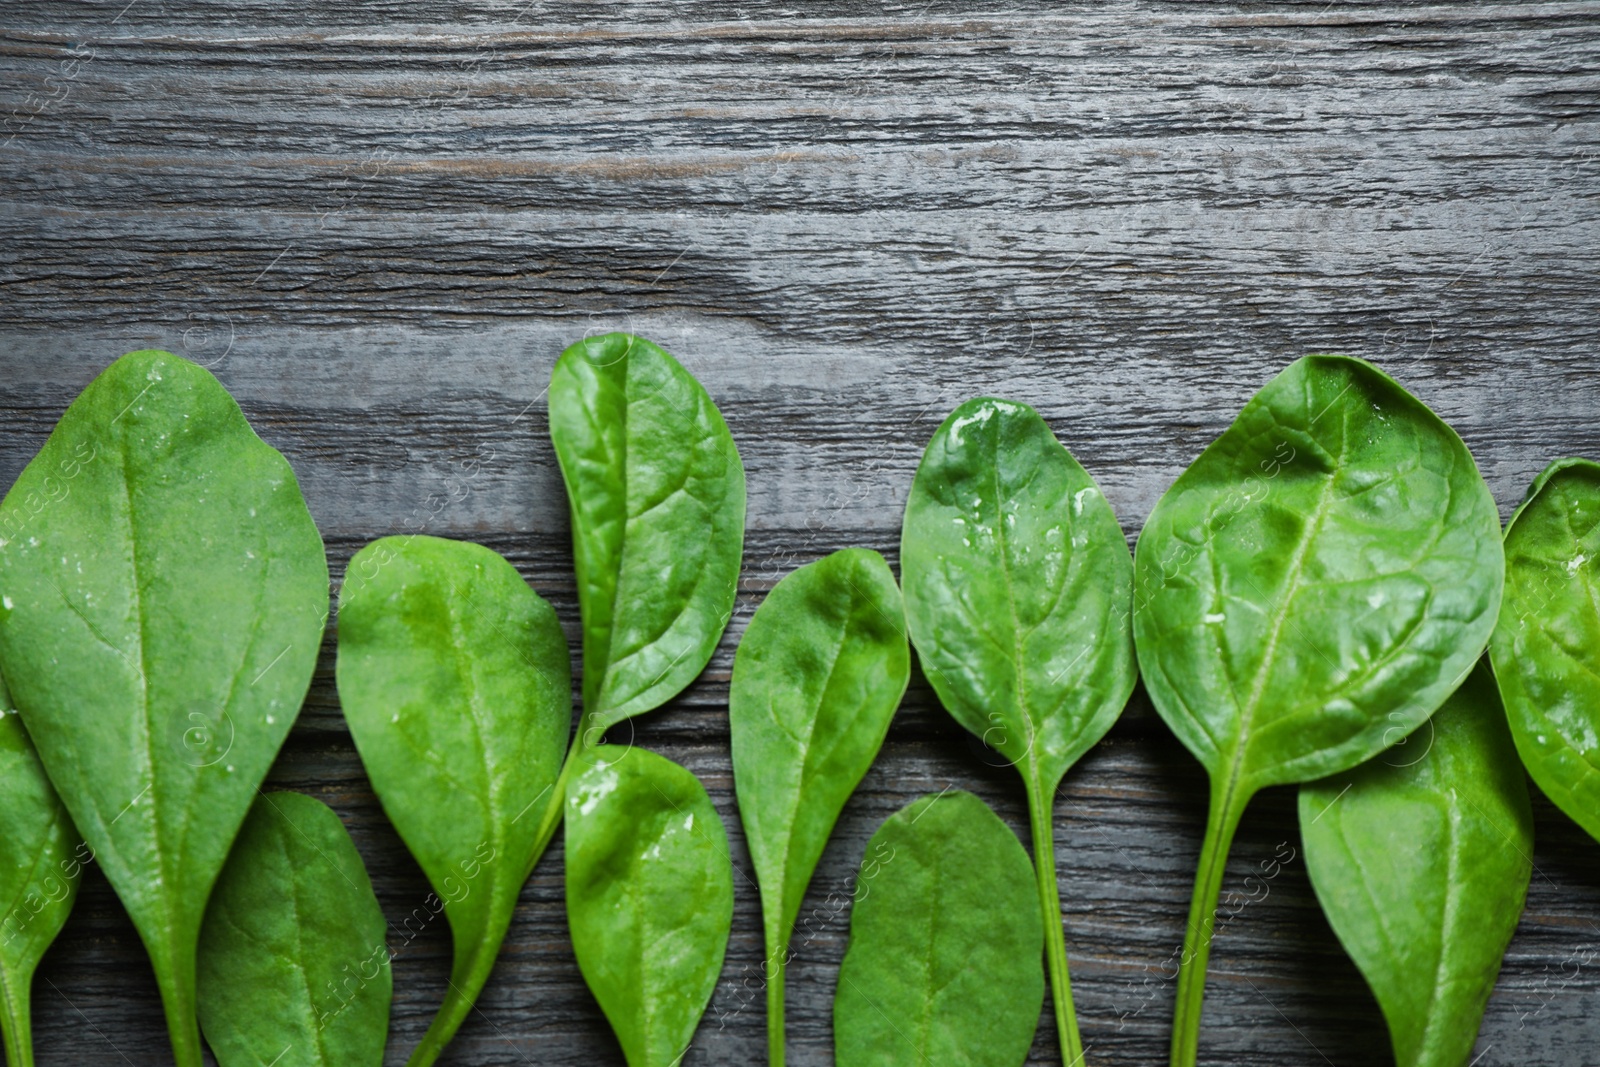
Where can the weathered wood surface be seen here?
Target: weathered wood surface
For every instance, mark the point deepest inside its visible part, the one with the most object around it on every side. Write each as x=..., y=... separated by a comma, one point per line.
x=379, y=223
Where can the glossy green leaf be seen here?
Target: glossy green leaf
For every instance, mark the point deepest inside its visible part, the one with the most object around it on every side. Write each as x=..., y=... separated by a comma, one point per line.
x=455, y=679
x=1308, y=591
x=945, y=964
x=294, y=968
x=816, y=679
x=1421, y=859
x=163, y=592
x=40, y=866
x=649, y=897
x=657, y=496
x=1019, y=588
x=1546, y=648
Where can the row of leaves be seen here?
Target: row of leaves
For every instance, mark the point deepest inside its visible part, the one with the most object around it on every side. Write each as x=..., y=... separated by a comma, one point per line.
x=1321, y=580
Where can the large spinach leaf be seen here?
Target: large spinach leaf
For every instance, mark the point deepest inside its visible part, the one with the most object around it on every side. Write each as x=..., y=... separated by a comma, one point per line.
x=649, y=897
x=455, y=679
x=162, y=597
x=1546, y=648
x=294, y=970
x=945, y=965
x=816, y=679
x=1421, y=859
x=657, y=498
x=1019, y=588
x=1309, y=591
x=39, y=872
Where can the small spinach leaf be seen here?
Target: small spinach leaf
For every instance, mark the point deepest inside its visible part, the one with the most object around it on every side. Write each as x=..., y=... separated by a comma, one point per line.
x=294, y=970
x=945, y=964
x=816, y=679
x=1546, y=648
x=1309, y=590
x=164, y=592
x=455, y=679
x=1421, y=859
x=649, y=897
x=1019, y=588
x=657, y=497
x=39, y=874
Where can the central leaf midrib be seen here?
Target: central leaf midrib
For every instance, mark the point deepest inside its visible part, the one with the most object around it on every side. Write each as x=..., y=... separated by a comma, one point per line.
x=637, y=891
x=924, y=1032
x=1290, y=588
x=805, y=754
x=144, y=681
x=299, y=943
x=474, y=717
x=1447, y=920
x=256, y=617
x=1011, y=605
x=622, y=539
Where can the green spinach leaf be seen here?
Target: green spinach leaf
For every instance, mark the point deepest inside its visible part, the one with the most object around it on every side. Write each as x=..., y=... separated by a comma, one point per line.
x=163, y=592
x=40, y=867
x=1019, y=590
x=945, y=964
x=1421, y=859
x=1310, y=590
x=816, y=679
x=649, y=897
x=657, y=497
x=1546, y=647
x=294, y=970
x=455, y=679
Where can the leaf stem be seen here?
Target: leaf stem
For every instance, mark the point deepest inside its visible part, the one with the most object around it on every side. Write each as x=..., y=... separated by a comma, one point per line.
x=775, y=972
x=1227, y=805
x=17, y=1022
x=175, y=976
x=469, y=974
x=1040, y=818
x=556, y=808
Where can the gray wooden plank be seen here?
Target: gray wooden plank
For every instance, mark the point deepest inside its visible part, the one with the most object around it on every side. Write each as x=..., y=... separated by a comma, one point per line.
x=380, y=224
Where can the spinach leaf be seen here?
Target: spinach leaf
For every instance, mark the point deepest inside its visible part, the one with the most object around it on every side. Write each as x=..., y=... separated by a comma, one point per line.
x=817, y=677
x=1546, y=648
x=649, y=897
x=163, y=592
x=294, y=971
x=455, y=679
x=945, y=964
x=1421, y=859
x=1310, y=590
x=39, y=874
x=657, y=496
x=1019, y=588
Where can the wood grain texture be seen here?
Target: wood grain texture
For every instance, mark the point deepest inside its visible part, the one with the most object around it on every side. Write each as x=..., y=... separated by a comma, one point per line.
x=380, y=222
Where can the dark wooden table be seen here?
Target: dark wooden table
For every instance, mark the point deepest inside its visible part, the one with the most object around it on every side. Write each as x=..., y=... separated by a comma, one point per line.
x=378, y=223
